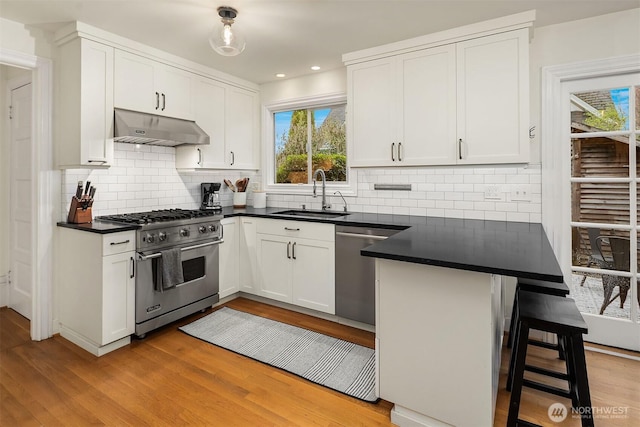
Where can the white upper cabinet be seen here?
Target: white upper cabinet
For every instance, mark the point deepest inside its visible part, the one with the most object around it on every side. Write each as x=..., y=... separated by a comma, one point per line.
x=142, y=84
x=457, y=97
x=493, y=101
x=402, y=109
x=230, y=116
x=84, y=136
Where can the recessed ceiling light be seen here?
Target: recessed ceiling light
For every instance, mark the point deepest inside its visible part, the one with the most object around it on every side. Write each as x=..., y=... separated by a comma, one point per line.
x=281, y=75
x=315, y=67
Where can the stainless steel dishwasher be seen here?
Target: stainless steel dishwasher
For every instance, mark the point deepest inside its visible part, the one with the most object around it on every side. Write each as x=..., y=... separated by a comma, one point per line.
x=355, y=274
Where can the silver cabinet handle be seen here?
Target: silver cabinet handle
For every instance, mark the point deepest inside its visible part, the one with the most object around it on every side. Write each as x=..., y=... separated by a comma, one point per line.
x=199, y=156
x=124, y=242
x=294, y=250
x=288, y=249
x=361, y=236
x=163, y=102
x=233, y=158
x=393, y=146
x=97, y=161
x=291, y=229
x=221, y=232
x=133, y=268
x=399, y=151
x=460, y=148
x=157, y=100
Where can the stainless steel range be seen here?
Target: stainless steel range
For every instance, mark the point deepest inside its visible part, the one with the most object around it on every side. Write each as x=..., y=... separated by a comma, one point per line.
x=173, y=243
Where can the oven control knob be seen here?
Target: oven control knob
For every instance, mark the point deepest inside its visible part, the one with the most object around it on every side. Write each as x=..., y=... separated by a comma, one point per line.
x=212, y=228
x=202, y=229
x=151, y=238
x=184, y=232
x=162, y=236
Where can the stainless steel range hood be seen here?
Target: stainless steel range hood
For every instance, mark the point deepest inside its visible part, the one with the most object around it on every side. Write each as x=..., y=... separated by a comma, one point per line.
x=142, y=128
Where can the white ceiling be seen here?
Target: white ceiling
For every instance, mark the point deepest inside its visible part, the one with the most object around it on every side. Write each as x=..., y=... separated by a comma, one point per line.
x=288, y=36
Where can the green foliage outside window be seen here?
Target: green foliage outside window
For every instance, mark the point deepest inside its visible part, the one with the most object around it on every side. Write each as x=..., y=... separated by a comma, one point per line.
x=327, y=144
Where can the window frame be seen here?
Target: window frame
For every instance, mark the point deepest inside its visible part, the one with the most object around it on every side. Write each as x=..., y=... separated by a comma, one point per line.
x=268, y=164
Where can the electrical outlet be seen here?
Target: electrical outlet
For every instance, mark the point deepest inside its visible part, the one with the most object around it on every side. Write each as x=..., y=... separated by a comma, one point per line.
x=521, y=193
x=493, y=192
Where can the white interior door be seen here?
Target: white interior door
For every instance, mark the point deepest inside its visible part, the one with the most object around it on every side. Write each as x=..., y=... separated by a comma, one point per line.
x=604, y=176
x=20, y=210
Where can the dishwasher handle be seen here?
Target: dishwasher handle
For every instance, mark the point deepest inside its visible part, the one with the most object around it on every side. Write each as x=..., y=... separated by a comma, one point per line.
x=361, y=236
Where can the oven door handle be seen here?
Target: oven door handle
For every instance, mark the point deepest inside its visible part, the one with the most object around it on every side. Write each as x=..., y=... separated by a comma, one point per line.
x=188, y=248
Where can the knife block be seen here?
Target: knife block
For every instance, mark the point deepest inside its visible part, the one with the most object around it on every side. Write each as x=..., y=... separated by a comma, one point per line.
x=77, y=215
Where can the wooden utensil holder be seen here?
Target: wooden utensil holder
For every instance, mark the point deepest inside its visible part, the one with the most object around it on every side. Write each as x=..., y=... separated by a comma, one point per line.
x=77, y=215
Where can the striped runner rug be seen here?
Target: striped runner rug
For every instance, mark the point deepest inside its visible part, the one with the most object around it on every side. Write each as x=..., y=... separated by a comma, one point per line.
x=340, y=365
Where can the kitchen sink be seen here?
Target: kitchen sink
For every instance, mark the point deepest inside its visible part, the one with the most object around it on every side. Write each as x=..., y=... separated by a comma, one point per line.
x=311, y=214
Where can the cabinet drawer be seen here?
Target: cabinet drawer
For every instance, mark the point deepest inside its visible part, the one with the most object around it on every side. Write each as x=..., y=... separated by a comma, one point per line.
x=118, y=242
x=299, y=229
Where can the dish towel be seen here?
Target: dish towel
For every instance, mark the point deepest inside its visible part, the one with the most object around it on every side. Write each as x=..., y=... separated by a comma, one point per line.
x=171, y=268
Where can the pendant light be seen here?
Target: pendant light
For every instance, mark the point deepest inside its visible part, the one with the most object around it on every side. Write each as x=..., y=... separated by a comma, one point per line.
x=225, y=40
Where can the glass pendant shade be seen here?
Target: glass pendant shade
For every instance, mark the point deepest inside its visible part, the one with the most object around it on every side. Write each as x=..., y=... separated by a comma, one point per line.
x=225, y=40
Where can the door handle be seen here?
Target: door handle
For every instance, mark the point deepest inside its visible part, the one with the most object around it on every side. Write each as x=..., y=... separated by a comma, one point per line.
x=199, y=156
x=294, y=250
x=399, y=151
x=163, y=101
x=133, y=268
x=288, y=249
x=157, y=100
x=460, y=148
x=233, y=158
x=393, y=146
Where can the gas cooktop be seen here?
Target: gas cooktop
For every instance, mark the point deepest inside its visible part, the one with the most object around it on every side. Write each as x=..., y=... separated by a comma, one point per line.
x=163, y=215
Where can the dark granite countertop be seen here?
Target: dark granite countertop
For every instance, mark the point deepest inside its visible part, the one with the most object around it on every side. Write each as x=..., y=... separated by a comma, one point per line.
x=508, y=248
x=100, y=227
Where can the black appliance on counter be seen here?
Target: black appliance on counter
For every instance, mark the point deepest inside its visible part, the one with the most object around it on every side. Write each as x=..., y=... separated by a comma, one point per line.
x=210, y=196
x=195, y=235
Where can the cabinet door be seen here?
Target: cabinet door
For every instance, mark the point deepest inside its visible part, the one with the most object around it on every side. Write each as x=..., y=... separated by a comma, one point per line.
x=175, y=87
x=427, y=108
x=248, y=257
x=371, y=113
x=493, y=102
x=209, y=105
x=313, y=274
x=241, y=126
x=274, y=266
x=229, y=259
x=134, y=87
x=118, y=294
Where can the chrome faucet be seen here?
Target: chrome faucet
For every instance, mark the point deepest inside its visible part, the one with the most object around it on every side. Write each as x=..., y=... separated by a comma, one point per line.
x=325, y=206
x=343, y=200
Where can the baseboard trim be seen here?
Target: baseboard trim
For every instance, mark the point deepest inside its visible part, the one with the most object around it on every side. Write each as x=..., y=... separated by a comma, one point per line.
x=90, y=346
x=4, y=291
x=404, y=417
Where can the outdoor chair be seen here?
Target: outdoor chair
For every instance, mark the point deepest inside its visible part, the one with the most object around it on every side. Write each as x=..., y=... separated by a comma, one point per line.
x=596, y=257
x=620, y=251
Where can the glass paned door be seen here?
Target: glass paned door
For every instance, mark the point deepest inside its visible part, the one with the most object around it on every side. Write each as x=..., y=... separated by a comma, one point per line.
x=604, y=216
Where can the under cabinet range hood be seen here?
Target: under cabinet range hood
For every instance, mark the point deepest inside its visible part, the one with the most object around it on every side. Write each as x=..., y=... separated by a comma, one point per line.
x=142, y=128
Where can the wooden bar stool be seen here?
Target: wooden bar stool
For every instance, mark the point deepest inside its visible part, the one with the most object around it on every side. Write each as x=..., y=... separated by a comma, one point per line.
x=541, y=287
x=558, y=315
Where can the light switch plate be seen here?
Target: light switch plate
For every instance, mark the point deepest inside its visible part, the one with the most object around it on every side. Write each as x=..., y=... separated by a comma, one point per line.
x=493, y=192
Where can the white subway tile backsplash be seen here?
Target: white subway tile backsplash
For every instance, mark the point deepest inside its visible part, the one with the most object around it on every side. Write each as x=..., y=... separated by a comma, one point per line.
x=144, y=178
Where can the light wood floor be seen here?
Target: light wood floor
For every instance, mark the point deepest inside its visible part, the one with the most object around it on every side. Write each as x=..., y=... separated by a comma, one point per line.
x=173, y=379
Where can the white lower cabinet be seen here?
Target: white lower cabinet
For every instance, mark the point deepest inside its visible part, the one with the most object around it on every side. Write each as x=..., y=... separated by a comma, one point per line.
x=294, y=268
x=97, y=289
x=229, y=283
x=247, y=260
